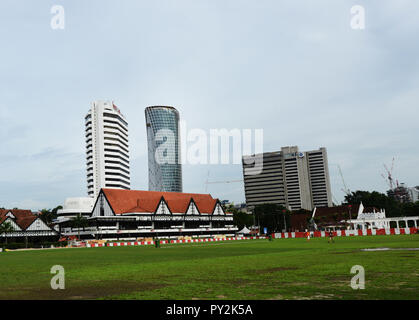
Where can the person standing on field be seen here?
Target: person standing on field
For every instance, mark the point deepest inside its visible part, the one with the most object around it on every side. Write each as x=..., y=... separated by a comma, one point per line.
x=331, y=236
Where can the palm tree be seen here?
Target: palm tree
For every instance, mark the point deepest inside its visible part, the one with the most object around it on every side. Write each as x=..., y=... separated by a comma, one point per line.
x=48, y=215
x=79, y=222
x=5, y=228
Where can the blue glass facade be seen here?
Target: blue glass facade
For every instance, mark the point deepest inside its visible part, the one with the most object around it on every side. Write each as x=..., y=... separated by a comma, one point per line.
x=164, y=167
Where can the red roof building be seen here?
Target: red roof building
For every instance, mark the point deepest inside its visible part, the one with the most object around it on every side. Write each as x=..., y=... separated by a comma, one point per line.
x=24, y=224
x=132, y=214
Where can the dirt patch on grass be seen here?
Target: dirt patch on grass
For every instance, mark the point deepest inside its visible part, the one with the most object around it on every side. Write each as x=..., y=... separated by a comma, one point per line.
x=338, y=278
x=239, y=282
x=343, y=252
x=388, y=249
x=272, y=270
x=297, y=284
x=318, y=296
x=88, y=292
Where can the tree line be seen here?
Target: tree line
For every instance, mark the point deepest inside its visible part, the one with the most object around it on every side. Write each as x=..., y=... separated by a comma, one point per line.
x=274, y=217
x=379, y=200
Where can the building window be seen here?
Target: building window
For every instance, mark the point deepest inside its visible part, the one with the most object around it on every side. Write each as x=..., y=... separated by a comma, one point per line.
x=102, y=209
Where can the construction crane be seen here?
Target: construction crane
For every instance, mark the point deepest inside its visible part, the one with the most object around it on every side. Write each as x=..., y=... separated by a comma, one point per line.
x=345, y=189
x=218, y=182
x=334, y=199
x=389, y=178
x=215, y=182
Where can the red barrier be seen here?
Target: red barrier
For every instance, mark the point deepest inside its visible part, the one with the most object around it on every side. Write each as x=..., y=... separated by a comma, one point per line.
x=299, y=234
x=344, y=233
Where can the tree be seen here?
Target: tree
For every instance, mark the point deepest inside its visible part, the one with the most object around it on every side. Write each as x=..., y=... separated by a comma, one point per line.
x=272, y=216
x=410, y=209
x=242, y=219
x=79, y=222
x=393, y=207
x=400, y=194
x=5, y=228
x=375, y=199
x=49, y=215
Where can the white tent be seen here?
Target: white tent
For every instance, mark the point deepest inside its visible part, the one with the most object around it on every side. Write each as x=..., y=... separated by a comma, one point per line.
x=244, y=231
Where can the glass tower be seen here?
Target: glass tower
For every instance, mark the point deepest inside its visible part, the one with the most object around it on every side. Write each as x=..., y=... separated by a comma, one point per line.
x=163, y=138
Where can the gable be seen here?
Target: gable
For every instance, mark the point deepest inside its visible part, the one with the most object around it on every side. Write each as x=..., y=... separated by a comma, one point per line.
x=10, y=215
x=163, y=208
x=192, y=209
x=13, y=224
x=38, y=225
x=102, y=207
x=218, y=210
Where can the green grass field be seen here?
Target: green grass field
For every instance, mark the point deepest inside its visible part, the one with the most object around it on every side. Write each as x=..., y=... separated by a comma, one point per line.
x=248, y=269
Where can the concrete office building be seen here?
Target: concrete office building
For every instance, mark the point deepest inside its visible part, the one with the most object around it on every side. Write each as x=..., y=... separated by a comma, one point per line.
x=107, y=152
x=414, y=193
x=297, y=180
x=163, y=137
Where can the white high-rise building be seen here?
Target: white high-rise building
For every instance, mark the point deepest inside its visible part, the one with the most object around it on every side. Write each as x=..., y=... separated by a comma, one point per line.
x=107, y=152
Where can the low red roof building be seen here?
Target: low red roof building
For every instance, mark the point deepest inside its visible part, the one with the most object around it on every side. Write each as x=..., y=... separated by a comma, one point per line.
x=25, y=223
x=131, y=214
x=137, y=201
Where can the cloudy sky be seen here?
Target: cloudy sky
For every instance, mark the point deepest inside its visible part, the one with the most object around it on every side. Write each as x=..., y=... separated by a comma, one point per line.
x=295, y=69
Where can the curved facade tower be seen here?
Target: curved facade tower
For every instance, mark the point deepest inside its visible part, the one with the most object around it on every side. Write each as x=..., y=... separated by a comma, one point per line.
x=107, y=153
x=163, y=137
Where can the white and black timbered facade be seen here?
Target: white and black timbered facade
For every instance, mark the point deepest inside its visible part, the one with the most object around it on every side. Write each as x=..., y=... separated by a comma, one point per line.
x=25, y=223
x=132, y=214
